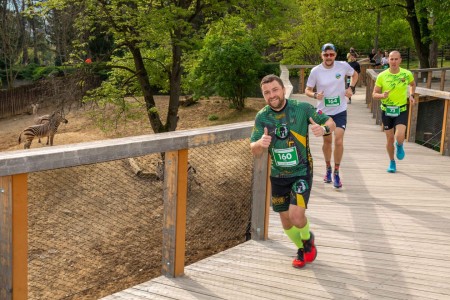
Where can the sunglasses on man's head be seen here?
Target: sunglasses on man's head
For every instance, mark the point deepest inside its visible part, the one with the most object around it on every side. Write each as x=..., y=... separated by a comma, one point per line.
x=329, y=54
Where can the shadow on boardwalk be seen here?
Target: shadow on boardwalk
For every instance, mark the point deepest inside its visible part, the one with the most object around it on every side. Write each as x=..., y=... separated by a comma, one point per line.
x=382, y=236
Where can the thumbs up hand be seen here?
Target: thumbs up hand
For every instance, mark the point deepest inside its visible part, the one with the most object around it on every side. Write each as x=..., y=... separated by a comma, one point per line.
x=265, y=140
x=316, y=129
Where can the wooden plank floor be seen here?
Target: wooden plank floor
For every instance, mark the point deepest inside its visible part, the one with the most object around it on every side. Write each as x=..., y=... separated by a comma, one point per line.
x=382, y=236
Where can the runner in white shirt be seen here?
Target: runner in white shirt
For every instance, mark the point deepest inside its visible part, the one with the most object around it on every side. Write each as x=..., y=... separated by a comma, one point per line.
x=329, y=80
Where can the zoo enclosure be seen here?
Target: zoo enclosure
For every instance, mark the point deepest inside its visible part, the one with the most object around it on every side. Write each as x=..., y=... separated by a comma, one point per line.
x=23, y=173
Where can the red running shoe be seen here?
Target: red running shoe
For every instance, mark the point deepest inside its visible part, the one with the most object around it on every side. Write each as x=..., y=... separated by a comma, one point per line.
x=310, y=249
x=299, y=261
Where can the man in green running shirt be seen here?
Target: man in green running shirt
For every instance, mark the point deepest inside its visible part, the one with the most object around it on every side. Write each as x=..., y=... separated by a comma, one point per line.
x=282, y=127
x=391, y=87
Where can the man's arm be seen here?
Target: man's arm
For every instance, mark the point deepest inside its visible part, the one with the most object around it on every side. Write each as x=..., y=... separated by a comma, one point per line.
x=330, y=123
x=377, y=94
x=354, y=80
x=320, y=130
x=262, y=144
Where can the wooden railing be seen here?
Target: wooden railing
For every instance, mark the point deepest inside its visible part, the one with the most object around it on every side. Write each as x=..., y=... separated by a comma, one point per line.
x=422, y=94
x=429, y=77
x=15, y=166
x=303, y=70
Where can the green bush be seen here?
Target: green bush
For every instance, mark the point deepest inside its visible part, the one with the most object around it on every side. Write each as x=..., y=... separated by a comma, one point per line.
x=213, y=117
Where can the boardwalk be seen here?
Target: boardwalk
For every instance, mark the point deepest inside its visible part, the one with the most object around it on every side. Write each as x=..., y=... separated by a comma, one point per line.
x=383, y=236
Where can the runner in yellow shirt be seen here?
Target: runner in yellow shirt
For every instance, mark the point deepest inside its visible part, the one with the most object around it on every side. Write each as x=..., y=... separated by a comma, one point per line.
x=391, y=87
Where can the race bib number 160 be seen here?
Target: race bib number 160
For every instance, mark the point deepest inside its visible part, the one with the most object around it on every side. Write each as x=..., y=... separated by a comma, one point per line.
x=285, y=157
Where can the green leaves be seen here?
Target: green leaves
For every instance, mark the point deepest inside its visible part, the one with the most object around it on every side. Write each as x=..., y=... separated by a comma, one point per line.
x=228, y=64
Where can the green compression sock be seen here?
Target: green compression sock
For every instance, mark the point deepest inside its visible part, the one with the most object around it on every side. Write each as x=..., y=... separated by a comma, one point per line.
x=294, y=236
x=304, y=232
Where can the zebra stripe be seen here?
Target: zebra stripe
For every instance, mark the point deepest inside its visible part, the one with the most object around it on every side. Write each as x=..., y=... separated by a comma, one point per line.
x=39, y=120
x=47, y=129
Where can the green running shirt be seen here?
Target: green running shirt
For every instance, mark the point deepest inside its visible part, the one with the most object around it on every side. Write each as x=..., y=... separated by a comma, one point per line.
x=397, y=84
x=289, y=149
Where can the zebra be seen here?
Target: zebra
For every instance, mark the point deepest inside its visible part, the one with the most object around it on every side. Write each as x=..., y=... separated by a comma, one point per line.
x=47, y=129
x=41, y=119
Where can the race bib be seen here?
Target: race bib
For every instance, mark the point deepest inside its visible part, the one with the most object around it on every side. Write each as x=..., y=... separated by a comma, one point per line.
x=392, y=111
x=332, y=101
x=287, y=157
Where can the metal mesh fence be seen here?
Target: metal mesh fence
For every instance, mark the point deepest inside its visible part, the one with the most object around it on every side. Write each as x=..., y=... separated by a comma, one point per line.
x=429, y=124
x=97, y=229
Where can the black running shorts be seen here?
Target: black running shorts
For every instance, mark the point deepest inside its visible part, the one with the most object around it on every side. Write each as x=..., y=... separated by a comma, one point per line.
x=391, y=122
x=293, y=190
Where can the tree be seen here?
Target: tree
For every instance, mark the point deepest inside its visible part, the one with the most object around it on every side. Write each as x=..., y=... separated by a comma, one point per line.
x=12, y=37
x=228, y=64
x=370, y=24
x=156, y=34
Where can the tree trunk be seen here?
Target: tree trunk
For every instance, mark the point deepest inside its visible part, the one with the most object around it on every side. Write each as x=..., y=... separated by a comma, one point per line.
x=434, y=53
x=420, y=33
x=142, y=76
x=377, y=34
x=35, y=41
x=175, y=84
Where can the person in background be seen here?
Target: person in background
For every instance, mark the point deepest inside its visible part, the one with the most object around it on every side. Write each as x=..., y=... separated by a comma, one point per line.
x=372, y=56
x=353, y=52
x=391, y=87
x=351, y=60
x=385, y=60
x=281, y=128
x=377, y=59
x=329, y=80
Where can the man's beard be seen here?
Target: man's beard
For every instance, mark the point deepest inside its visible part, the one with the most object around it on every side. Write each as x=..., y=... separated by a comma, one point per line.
x=280, y=103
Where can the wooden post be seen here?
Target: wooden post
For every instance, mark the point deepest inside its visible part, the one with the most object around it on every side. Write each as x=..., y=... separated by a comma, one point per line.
x=6, y=246
x=14, y=237
x=301, y=88
x=442, y=85
x=261, y=197
x=429, y=78
x=268, y=198
x=174, y=229
x=445, y=136
x=412, y=120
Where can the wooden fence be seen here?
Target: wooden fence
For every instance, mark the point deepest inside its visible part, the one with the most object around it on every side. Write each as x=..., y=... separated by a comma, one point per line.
x=59, y=90
x=422, y=94
x=17, y=101
x=15, y=166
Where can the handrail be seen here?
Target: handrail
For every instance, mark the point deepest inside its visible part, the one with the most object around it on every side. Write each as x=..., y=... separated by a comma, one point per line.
x=420, y=94
x=40, y=159
x=15, y=166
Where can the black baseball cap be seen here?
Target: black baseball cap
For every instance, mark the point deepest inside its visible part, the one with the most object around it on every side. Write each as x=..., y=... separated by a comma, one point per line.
x=328, y=46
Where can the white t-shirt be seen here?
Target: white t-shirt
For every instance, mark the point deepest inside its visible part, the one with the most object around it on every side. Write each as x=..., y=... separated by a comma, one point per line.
x=332, y=83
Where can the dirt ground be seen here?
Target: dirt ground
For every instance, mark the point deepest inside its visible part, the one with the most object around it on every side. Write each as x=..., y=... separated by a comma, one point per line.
x=74, y=233
x=82, y=128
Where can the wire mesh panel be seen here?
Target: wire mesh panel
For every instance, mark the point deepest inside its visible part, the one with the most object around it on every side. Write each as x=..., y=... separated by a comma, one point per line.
x=94, y=229
x=219, y=198
x=429, y=124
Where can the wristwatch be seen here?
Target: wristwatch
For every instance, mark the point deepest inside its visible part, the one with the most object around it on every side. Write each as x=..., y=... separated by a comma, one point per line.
x=315, y=95
x=326, y=129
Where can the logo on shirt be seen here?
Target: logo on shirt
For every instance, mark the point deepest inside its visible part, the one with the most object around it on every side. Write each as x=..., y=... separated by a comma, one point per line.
x=338, y=75
x=282, y=131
